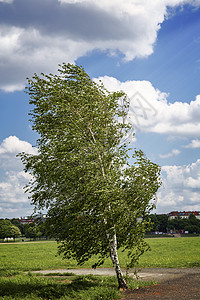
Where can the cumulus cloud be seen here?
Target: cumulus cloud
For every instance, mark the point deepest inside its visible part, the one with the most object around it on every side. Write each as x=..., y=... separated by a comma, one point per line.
x=37, y=35
x=9, y=148
x=13, y=200
x=194, y=144
x=150, y=110
x=14, y=145
x=11, y=189
x=174, y=152
x=180, y=189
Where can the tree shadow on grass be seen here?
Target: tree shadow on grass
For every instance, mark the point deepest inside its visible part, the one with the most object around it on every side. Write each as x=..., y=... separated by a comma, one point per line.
x=193, y=264
x=31, y=286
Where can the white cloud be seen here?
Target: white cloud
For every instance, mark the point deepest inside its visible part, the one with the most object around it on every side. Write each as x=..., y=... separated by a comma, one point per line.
x=194, y=144
x=14, y=145
x=13, y=200
x=193, y=182
x=28, y=51
x=174, y=152
x=180, y=189
x=9, y=148
x=66, y=30
x=7, y=1
x=11, y=189
x=151, y=112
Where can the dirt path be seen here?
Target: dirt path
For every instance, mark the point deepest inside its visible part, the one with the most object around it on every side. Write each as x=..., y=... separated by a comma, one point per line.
x=185, y=286
x=158, y=274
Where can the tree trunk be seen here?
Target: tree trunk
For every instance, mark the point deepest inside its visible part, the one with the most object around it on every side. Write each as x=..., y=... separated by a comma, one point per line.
x=115, y=261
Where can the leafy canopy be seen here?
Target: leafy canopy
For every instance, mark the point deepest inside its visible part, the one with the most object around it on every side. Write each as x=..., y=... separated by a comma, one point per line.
x=82, y=173
x=8, y=230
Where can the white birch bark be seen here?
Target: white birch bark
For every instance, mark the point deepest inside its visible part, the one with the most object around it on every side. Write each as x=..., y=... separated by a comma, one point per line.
x=115, y=261
x=113, y=242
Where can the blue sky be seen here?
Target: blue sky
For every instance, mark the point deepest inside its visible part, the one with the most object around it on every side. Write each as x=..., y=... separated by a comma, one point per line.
x=148, y=48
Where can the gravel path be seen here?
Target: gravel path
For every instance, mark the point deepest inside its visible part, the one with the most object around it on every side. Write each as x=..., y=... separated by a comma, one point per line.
x=157, y=274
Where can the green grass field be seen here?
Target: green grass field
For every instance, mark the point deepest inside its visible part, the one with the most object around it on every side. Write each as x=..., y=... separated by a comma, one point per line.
x=165, y=252
x=15, y=258
x=31, y=287
x=172, y=253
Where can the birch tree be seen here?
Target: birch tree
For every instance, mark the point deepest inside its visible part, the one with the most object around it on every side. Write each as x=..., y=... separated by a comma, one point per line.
x=97, y=201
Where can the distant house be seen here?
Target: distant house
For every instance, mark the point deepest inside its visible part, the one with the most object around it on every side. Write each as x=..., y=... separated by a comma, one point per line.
x=183, y=214
x=31, y=219
x=26, y=220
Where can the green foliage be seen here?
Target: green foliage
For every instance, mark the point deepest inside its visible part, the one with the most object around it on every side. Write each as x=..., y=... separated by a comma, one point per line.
x=193, y=220
x=191, y=224
x=4, y=228
x=14, y=232
x=82, y=173
x=154, y=222
x=8, y=230
x=159, y=222
x=192, y=228
x=33, y=231
x=163, y=224
x=17, y=223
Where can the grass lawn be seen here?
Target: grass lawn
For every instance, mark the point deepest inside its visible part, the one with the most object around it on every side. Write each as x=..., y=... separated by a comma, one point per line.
x=16, y=258
x=165, y=252
x=172, y=253
x=32, y=287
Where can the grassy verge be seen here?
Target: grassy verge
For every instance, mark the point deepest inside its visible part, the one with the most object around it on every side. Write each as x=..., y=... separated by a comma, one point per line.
x=71, y=287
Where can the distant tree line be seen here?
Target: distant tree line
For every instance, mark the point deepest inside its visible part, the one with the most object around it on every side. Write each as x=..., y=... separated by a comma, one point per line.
x=161, y=223
x=8, y=230
x=14, y=229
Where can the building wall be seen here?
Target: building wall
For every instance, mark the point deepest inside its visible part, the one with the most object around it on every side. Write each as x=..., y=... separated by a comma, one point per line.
x=183, y=214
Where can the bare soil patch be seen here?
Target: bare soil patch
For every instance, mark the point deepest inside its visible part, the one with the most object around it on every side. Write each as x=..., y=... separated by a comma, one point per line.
x=173, y=284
